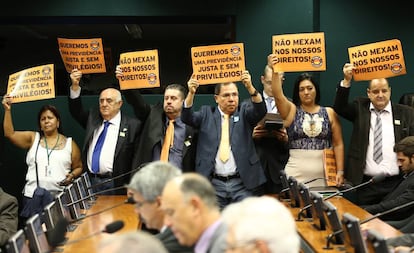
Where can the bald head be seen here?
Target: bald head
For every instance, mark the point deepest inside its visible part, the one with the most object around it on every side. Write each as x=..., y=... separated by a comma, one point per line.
x=379, y=93
x=190, y=206
x=110, y=102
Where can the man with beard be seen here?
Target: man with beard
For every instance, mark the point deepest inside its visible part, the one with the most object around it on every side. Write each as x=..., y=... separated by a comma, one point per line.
x=155, y=143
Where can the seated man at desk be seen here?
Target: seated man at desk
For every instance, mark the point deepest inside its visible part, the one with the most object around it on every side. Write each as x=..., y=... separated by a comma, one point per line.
x=404, y=192
x=146, y=187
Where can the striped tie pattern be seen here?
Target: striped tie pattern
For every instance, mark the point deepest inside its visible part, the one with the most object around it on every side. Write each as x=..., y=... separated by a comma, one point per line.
x=269, y=101
x=378, y=138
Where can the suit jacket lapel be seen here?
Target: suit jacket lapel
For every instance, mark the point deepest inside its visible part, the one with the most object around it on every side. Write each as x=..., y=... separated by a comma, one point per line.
x=233, y=121
x=217, y=122
x=396, y=117
x=95, y=124
x=188, y=139
x=123, y=130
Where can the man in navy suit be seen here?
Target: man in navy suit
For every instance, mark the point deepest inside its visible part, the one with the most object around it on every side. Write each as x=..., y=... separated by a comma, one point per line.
x=238, y=173
x=119, y=145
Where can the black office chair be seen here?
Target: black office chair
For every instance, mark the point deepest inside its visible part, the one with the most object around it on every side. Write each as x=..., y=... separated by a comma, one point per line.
x=407, y=99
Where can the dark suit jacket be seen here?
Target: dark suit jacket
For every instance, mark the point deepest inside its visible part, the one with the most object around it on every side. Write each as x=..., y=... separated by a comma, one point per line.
x=402, y=240
x=402, y=194
x=8, y=217
x=242, y=122
x=359, y=114
x=125, y=146
x=153, y=131
x=171, y=243
x=273, y=155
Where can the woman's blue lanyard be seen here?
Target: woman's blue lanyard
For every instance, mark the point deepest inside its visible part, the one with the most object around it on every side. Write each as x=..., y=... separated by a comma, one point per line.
x=47, y=150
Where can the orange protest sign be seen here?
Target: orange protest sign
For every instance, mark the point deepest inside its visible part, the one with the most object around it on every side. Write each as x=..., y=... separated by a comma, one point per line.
x=140, y=70
x=299, y=52
x=32, y=84
x=86, y=55
x=377, y=60
x=219, y=63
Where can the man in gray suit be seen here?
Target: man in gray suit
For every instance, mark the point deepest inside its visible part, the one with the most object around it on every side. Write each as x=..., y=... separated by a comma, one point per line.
x=146, y=187
x=191, y=211
x=226, y=152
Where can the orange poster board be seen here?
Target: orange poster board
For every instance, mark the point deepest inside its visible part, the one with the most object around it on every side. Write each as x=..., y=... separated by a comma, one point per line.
x=140, y=70
x=299, y=52
x=86, y=55
x=219, y=63
x=377, y=60
x=32, y=84
x=329, y=164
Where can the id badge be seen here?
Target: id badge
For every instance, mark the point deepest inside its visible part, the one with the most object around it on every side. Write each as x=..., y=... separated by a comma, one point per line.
x=48, y=171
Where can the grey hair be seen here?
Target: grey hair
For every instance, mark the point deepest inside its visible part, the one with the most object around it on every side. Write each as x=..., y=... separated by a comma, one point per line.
x=118, y=96
x=196, y=184
x=137, y=241
x=276, y=223
x=150, y=180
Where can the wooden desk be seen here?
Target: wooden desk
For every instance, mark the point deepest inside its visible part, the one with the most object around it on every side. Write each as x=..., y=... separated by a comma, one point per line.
x=93, y=224
x=314, y=240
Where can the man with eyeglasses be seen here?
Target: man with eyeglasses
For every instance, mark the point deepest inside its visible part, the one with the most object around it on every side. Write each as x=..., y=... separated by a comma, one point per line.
x=277, y=233
x=271, y=144
x=225, y=150
x=110, y=138
x=146, y=188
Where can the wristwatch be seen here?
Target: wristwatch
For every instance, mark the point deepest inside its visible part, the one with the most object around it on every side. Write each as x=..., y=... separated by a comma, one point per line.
x=255, y=93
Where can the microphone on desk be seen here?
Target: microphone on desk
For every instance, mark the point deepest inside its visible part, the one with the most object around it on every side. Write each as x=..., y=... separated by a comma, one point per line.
x=94, y=194
x=314, y=179
x=377, y=215
x=388, y=211
x=305, y=182
x=116, y=177
x=129, y=200
x=311, y=181
x=374, y=179
x=58, y=236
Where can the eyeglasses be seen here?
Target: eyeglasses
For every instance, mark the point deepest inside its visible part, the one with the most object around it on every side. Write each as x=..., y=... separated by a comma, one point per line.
x=228, y=95
x=139, y=204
